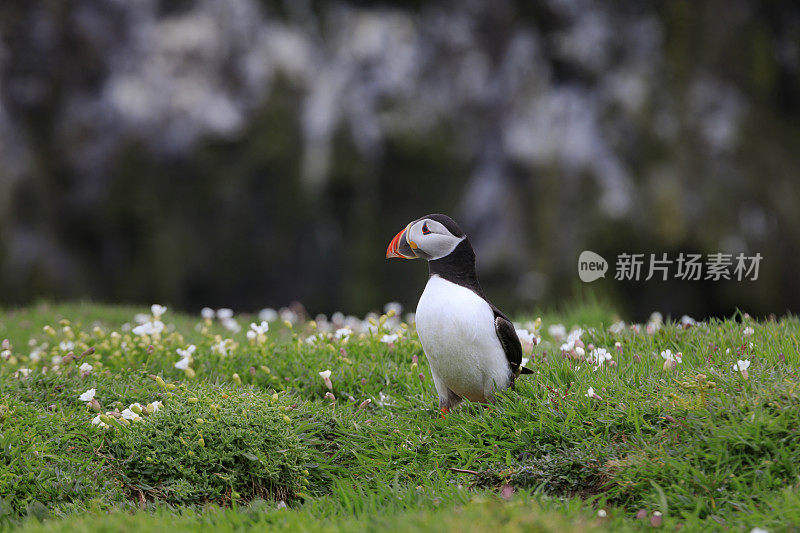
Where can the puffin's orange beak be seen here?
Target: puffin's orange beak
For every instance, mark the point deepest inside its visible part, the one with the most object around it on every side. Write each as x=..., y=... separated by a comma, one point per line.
x=399, y=241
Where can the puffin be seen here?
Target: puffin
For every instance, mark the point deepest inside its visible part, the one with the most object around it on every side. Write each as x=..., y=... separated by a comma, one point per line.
x=472, y=347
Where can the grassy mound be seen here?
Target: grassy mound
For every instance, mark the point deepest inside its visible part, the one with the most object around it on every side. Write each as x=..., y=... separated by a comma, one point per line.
x=46, y=460
x=212, y=444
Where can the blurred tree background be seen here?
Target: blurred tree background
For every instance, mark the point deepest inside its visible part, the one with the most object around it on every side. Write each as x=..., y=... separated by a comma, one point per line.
x=249, y=153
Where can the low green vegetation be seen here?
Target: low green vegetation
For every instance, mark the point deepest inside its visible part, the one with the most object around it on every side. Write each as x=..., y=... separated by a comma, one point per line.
x=111, y=421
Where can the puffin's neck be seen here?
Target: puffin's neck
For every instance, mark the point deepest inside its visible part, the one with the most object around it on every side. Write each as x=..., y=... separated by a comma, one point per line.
x=458, y=267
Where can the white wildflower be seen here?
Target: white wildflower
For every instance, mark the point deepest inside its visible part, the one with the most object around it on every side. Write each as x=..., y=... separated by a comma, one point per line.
x=591, y=394
x=326, y=376
x=527, y=337
x=287, y=315
x=384, y=400
x=312, y=339
x=395, y=307
x=97, y=422
x=748, y=331
x=617, y=327
x=22, y=372
x=602, y=513
x=343, y=333
x=260, y=329
x=598, y=357
x=156, y=405
x=353, y=322
x=157, y=310
x=153, y=328
x=187, y=352
x=224, y=313
x=207, y=313
x=671, y=360
x=669, y=356
x=87, y=396
x=222, y=347
x=389, y=339
x=742, y=366
x=85, y=368
x=572, y=339
x=656, y=320
x=183, y=364
x=230, y=324
x=268, y=315
x=66, y=346
x=127, y=414
x=557, y=331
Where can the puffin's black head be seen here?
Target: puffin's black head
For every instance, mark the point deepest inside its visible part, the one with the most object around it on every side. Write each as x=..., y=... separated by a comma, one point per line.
x=430, y=237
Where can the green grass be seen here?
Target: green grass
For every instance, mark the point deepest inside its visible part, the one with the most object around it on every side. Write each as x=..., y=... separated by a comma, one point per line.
x=248, y=425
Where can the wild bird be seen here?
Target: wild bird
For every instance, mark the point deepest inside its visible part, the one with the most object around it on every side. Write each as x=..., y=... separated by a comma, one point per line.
x=472, y=347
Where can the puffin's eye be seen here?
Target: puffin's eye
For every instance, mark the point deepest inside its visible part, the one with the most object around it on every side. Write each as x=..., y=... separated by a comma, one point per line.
x=425, y=230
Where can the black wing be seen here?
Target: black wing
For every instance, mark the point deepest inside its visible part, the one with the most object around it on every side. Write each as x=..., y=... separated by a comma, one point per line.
x=509, y=341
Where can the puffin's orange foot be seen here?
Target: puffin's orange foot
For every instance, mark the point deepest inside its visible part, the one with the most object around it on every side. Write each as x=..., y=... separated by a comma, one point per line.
x=444, y=411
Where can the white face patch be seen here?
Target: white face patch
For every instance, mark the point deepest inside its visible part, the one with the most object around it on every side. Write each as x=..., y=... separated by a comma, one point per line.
x=431, y=238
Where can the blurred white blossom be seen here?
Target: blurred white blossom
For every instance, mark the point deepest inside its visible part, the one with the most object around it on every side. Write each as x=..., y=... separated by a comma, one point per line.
x=268, y=315
x=557, y=331
x=343, y=333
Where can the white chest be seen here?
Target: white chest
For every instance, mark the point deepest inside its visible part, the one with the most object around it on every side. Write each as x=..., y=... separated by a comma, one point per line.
x=457, y=331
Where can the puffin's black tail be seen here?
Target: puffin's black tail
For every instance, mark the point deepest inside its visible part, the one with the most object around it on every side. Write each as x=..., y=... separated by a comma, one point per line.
x=525, y=370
